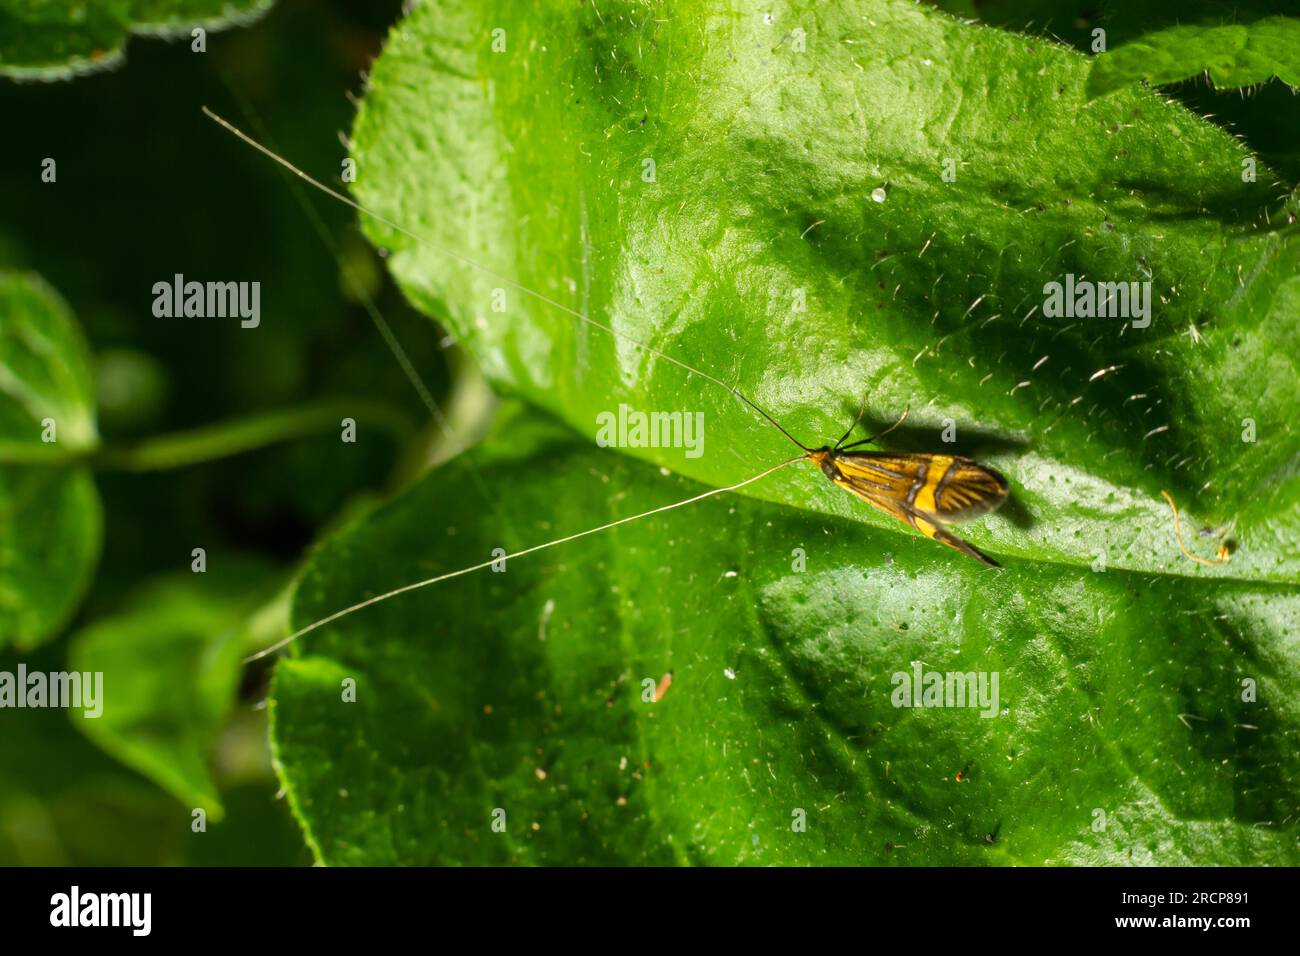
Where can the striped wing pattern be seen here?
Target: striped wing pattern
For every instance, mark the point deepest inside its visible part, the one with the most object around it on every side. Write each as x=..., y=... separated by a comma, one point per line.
x=924, y=491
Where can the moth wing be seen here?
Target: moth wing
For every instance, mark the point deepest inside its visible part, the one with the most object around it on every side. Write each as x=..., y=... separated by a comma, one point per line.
x=967, y=490
x=947, y=489
x=883, y=481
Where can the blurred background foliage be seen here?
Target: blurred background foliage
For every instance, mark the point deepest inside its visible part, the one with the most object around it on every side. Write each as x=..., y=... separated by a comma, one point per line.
x=147, y=188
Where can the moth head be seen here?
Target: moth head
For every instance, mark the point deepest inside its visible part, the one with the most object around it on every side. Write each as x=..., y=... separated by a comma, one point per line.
x=824, y=458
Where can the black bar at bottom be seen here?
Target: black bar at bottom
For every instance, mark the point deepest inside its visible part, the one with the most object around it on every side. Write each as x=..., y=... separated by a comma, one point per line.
x=334, y=906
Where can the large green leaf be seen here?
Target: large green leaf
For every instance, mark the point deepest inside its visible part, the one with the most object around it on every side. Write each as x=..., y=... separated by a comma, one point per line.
x=50, y=522
x=802, y=156
x=54, y=39
x=1122, y=734
x=1234, y=55
x=811, y=164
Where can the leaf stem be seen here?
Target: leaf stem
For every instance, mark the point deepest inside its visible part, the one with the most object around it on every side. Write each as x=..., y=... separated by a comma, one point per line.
x=221, y=440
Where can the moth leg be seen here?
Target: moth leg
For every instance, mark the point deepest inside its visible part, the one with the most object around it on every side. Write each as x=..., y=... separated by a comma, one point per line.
x=868, y=441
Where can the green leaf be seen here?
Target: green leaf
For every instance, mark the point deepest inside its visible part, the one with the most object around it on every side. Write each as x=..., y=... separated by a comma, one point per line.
x=1145, y=711
x=1234, y=55
x=50, y=518
x=44, y=371
x=171, y=666
x=54, y=39
x=63, y=802
x=771, y=149
x=1120, y=694
x=1267, y=121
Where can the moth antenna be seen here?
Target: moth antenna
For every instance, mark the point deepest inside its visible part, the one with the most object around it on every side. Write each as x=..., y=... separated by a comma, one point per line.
x=388, y=595
x=1219, y=558
x=475, y=264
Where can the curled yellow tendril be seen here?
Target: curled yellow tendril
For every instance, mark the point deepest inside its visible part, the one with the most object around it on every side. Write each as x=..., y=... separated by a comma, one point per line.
x=1220, y=556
